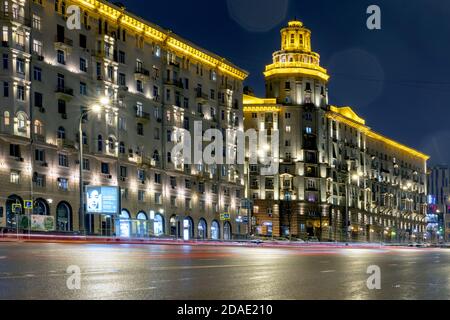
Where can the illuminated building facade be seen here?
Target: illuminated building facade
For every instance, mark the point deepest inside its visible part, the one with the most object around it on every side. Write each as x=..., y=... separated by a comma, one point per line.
x=150, y=84
x=338, y=179
x=439, y=203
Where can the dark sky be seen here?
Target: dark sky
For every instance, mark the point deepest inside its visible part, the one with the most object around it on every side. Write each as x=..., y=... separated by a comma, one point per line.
x=396, y=78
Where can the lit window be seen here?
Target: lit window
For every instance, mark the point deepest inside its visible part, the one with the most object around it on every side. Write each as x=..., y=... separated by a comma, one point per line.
x=36, y=22
x=21, y=93
x=37, y=47
x=63, y=184
x=6, y=118
x=21, y=122
x=14, y=177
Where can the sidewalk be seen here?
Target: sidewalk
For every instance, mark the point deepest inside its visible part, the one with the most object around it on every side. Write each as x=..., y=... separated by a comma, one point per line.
x=168, y=241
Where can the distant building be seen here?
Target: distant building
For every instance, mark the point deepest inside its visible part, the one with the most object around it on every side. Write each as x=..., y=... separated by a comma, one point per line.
x=439, y=202
x=338, y=179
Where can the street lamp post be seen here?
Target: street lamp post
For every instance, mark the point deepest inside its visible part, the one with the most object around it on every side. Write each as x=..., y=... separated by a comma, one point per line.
x=81, y=182
x=84, y=113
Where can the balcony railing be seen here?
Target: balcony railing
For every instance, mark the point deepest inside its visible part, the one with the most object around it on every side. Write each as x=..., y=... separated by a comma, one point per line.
x=142, y=71
x=103, y=54
x=65, y=90
x=4, y=15
x=202, y=96
x=64, y=41
x=141, y=115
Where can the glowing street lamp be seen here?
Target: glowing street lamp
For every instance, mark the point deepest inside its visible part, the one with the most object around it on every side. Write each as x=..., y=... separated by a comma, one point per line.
x=96, y=108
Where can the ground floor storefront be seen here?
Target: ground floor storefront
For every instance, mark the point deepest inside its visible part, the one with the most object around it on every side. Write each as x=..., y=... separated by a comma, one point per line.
x=42, y=215
x=305, y=221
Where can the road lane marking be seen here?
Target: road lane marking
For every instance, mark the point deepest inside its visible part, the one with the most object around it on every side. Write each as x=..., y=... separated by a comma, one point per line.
x=206, y=267
x=258, y=278
x=328, y=271
x=3, y=257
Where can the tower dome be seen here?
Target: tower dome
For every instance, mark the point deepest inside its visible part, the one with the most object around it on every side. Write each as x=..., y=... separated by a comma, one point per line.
x=295, y=75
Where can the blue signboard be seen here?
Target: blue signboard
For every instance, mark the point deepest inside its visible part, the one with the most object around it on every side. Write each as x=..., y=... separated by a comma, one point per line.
x=102, y=200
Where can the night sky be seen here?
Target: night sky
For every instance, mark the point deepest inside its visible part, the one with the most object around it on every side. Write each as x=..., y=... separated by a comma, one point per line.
x=396, y=78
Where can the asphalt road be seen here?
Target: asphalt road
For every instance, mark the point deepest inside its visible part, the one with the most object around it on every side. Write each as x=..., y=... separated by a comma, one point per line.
x=39, y=271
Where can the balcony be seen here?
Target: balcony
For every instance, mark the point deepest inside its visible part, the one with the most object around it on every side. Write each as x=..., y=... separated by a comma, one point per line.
x=65, y=144
x=141, y=115
x=201, y=97
x=174, y=64
x=10, y=16
x=39, y=138
x=176, y=83
x=142, y=74
x=62, y=43
x=102, y=54
x=64, y=91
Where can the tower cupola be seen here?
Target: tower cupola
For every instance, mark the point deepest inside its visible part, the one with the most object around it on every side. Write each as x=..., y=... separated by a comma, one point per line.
x=295, y=75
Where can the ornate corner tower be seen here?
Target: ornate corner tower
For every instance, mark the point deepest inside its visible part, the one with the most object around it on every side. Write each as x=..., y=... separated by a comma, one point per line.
x=295, y=77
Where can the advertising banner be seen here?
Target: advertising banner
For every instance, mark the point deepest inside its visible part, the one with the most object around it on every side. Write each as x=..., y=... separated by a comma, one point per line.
x=102, y=200
x=37, y=223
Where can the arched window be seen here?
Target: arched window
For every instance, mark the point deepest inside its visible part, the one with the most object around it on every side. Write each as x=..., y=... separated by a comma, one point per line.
x=188, y=228
x=125, y=214
x=13, y=208
x=158, y=225
x=122, y=148
x=64, y=217
x=173, y=226
x=41, y=208
x=142, y=216
x=202, y=229
x=38, y=128
x=21, y=122
x=61, y=133
x=124, y=224
x=100, y=143
x=142, y=225
x=227, y=235
x=6, y=118
x=215, y=230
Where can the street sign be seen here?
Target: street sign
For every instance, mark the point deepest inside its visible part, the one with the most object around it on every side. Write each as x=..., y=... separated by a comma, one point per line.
x=16, y=208
x=28, y=204
x=245, y=219
x=225, y=217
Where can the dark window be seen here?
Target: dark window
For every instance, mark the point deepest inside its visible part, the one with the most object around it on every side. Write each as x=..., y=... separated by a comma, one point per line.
x=100, y=144
x=121, y=57
x=61, y=57
x=140, y=129
x=6, y=89
x=39, y=155
x=60, y=33
x=83, y=41
x=105, y=168
x=38, y=99
x=14, y=150
x=5, y=61
x=61, y=107
x=37, y=72
x=123, y=172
